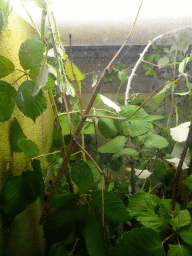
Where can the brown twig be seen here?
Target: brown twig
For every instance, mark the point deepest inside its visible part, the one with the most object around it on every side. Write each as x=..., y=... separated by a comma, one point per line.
x=77, y=83
x=64, y=166
x=132, y=176
x=179, y=168
x=90, y=157
x=67, y=111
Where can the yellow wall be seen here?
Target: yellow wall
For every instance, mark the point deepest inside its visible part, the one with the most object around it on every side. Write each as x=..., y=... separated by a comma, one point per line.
x=24, y=236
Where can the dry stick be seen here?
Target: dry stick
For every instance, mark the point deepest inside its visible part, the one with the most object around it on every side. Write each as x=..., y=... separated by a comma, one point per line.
x=141, y=58
x=64, y=166
x=132, y=176
x=79, y=95
x=179, y=168
x=68, y=116
x=77, y=83
x=90, y=157
x=173, y=81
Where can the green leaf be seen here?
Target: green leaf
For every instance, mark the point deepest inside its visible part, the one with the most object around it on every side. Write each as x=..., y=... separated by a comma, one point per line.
x=115, y=210
x=7, y=100
x=64, y=124
x=16, y=134
x=96, y=173
x=32, y=186
x=183, y=64
x=58, y=251
x=42, y=78
x=135, y=128
x=182, y=220
x=188, y=183
x=31, y=53
x=186, y=234
x=6, y=66
x=50, y=83
x=141, y=241
x=63, y=201
x=155, y=141
x=179, y=250
x=12, y=197
x=82, y=175
x=94, y=235
x=157, y=57
x=28, y=147
x=114, y=145
x=110, y=76
x=150, y=57
x=75, y=70
x=31, y=106
x=147, y=67
x=107, y=127
x=111, y=186
x=161, y=169
x=88, y=128
x=60, y=223
x=165, y=208
x=159, y=96
x=122, y=188
x=152, y=118
x=163, y=61
x=149, y=73
x=142, y=207
x=122, y=75
x=20, y=191
x=136, y=125
x=20, y=142
x=126, y=151
x=128, y=110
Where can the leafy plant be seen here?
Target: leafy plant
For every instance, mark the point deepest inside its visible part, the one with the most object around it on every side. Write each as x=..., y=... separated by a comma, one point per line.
x=103, y=206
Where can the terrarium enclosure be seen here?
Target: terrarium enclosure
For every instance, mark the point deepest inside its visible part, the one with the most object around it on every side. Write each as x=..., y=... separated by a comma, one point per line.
x=95, y=128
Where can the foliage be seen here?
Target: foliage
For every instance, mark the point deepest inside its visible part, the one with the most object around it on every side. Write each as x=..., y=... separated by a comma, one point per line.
x=4, y=13
x=106, y=203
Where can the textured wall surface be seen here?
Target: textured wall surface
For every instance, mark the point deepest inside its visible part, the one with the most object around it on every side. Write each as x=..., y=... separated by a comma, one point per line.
x=24, y=236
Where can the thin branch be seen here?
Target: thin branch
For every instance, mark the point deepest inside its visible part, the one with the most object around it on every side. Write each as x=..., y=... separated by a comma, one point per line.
x=64, y=166
x=141, y=58
x=151, y=95
x=90, y=157
x=39, y=34
x=179, y=168
x=77, y=83
x=132, y=176
x=44, y=155
x=167, y=238
x=67, y=111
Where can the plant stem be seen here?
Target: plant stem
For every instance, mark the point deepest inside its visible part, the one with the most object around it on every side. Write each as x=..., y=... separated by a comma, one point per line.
x=31, y=19
x=132, y=176
x=179, y=168
x=64, y=166
x=141, y=58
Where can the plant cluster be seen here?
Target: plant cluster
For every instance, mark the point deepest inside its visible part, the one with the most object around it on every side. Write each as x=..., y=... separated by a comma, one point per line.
x=101, y=201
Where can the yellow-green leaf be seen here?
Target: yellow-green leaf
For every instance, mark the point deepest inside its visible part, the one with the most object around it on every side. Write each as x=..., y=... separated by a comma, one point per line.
x=70, y=73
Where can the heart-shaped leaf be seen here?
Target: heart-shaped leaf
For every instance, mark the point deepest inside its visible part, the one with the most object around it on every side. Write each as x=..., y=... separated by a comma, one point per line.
x=7, y=100
x=31, y=106
x=6, y=66
x=31, y=53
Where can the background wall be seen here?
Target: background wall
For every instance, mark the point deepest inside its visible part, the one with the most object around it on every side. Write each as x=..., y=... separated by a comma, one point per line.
x=24, y=235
